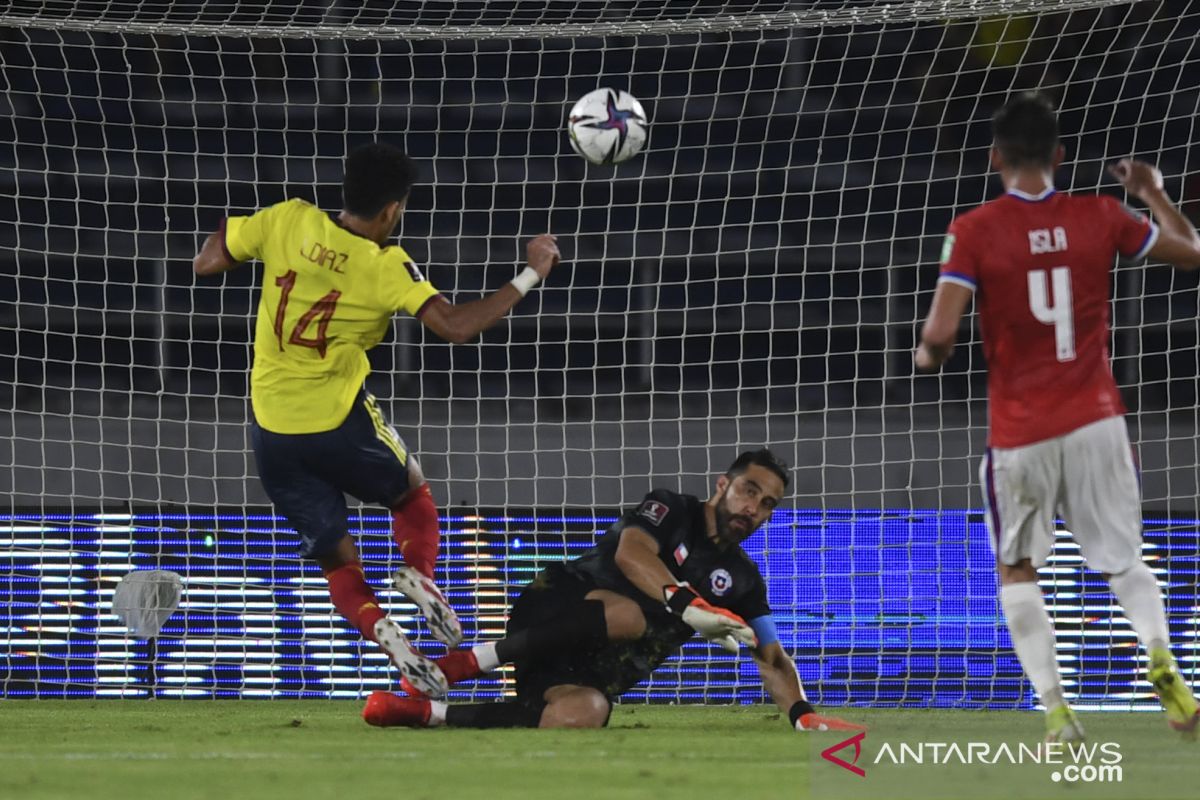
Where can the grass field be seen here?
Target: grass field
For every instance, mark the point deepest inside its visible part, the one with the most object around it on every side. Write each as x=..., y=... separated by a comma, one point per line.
x=318, y=749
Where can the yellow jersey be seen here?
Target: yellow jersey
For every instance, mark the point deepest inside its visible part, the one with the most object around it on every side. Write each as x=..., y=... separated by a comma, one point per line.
x=328, y=295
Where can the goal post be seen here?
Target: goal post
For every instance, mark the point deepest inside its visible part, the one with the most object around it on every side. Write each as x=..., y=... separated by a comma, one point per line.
x=754, y=277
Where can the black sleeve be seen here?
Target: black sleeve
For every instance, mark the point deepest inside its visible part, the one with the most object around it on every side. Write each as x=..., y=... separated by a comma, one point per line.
x=660, y=514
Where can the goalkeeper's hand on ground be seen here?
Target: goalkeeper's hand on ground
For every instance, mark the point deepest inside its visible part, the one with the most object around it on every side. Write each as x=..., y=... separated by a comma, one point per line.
x=805, y=718
x=718, y=625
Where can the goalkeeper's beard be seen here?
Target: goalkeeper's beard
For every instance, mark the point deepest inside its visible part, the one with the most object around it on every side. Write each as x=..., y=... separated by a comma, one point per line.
x=727, y=533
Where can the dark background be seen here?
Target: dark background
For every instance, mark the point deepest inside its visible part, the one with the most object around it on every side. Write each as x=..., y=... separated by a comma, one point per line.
x=768, y=256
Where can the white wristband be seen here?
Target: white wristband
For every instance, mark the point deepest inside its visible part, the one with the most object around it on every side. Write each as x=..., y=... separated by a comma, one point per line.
x=526, y=280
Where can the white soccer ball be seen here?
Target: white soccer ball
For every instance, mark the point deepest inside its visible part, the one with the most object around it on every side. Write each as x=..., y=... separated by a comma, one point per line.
x=607, y=126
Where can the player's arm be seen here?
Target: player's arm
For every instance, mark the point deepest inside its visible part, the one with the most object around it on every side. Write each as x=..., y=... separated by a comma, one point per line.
x=1178, y=242
x=214, y=257
x=459, y=323
x=782, y=682
x=637, y=558
x=940, y=331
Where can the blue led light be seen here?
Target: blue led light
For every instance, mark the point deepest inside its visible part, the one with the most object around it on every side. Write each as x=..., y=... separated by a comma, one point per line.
x=880, y=606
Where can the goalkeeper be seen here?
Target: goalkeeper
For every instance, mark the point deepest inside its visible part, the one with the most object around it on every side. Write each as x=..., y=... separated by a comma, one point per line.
x=585, y=631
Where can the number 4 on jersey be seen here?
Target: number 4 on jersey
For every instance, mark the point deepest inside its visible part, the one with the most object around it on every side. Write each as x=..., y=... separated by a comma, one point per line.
x=1061, y=315
x=321, y=311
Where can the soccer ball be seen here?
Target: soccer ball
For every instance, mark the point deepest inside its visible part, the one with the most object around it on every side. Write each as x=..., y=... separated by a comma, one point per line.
x=607, y=126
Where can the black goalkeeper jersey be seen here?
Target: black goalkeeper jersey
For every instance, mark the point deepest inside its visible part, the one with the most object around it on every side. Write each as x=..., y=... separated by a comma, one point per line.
x=723, y=575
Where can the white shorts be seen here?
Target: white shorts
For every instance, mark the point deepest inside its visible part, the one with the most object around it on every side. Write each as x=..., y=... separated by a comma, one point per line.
x=1087, y=476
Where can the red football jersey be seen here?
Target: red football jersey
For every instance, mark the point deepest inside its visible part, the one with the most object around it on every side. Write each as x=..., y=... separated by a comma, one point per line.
x=1040, y=267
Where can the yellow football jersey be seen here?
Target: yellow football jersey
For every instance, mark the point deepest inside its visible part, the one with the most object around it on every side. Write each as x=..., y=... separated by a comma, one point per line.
x=328, y=295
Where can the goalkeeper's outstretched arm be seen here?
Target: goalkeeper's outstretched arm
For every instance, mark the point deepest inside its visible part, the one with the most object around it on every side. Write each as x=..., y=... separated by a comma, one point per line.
x=782, y=682
x=637, y=557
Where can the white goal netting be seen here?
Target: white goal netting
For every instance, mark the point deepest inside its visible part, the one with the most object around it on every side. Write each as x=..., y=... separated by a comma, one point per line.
x=756, y=276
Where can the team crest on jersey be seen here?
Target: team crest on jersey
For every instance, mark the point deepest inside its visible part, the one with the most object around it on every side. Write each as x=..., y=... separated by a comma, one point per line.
x=654, y=511
x=947, y=247
x=720, y=581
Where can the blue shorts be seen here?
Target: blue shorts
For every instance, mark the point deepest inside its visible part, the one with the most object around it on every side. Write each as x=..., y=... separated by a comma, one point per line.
x=307, y=475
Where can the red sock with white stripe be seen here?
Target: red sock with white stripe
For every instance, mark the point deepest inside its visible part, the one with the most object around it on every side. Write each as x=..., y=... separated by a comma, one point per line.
x=415, y=529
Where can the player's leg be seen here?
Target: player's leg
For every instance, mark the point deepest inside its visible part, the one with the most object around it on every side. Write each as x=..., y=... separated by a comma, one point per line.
x=405, y=491
x=553, y=616
x=352, y=596
x=1102, y=502
x=317, y=510
x=575, y=707
x=554, y=690
x=1020, y=489
x=355, y=600
x=415, y=523
x=415, y=530
x=384, y=710
x=557, y=670
x=564, y=706
x=374, y=465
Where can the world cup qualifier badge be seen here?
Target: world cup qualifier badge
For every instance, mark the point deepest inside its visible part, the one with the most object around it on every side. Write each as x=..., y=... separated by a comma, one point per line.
x=654, y=511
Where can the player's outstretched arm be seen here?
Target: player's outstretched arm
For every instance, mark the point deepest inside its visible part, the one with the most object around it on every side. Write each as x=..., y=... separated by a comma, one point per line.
x=637, y=557
x=459, y=323
x=1178, y=242
x=782, y=682
x=941, y=326
x=213, y=258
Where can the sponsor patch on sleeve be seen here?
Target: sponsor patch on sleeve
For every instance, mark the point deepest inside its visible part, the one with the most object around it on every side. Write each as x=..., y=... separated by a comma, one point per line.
x=654, y=511
x=947, y=247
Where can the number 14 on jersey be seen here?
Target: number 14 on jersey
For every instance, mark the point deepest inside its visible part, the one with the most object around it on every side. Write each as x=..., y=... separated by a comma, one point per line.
x=320, y=311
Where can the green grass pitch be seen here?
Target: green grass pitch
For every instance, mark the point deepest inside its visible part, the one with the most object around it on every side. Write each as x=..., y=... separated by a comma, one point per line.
x=321, y=749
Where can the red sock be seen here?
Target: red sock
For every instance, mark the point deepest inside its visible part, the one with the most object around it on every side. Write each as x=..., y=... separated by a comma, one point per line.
x=415, y=529
x=354, y=599
x=459, y=666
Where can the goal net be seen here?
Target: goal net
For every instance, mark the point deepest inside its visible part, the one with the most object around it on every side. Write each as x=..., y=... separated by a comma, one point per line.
x=755, y=277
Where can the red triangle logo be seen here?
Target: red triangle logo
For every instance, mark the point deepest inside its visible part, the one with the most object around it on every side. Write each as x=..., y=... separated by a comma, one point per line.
x=856, y=740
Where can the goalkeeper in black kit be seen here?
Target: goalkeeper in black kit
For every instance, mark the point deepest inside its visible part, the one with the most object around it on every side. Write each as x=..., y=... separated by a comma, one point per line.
x=585, y=631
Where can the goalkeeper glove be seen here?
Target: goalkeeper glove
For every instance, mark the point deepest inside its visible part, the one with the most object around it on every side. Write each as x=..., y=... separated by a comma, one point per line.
x=718, y=625
x=805, y=718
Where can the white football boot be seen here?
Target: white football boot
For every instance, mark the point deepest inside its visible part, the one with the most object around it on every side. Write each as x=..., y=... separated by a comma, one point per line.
x=439, y=616
x=419, y=670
